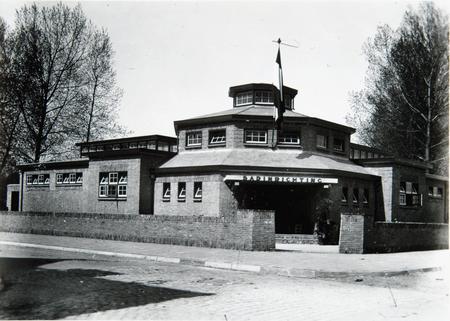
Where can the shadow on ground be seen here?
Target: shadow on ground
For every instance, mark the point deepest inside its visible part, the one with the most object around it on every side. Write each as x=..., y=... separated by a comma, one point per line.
x=32, y=293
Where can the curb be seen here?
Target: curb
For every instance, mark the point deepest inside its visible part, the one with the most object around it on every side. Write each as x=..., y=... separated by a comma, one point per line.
x=289, y=272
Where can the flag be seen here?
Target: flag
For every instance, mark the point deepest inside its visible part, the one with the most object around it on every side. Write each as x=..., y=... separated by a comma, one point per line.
x=279, y=108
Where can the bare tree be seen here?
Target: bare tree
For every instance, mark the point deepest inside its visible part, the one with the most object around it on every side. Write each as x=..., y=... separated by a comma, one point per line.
x=61, y=81
x=101, y=92
x=405, y=101
x=9, y=113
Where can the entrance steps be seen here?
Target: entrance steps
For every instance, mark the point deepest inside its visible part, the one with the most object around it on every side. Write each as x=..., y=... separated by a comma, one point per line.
x=297, y=238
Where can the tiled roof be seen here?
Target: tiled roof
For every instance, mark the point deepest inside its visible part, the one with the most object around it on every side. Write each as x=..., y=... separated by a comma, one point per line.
x=256, y=157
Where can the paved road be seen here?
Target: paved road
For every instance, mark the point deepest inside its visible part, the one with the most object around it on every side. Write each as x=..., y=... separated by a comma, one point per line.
x=77, y=286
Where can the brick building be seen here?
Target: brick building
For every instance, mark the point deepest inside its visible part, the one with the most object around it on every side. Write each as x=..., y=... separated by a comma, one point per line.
x=308, y=174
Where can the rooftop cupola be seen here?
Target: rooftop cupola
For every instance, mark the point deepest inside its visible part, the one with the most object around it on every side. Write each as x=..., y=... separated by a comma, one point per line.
x=260, y=94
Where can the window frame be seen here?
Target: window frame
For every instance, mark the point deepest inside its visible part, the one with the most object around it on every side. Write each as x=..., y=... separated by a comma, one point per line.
x=290, y=135
x=214, y=132
x=339, y=150
x=198, y=191
x=325, y=141
x=181, y=192
x=38, y=180
x=248, y=95
x=197, y=141
x=409, y=195
x=270, y=99
x=110, y=183
x=246, y=136
x=344, y=195
x=166, y=192
x=355, y=196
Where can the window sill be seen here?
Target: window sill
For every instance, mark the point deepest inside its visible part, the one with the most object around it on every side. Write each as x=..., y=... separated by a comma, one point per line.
x=298, y=146
x=256, y=145
x=37, y=186
x=339, y=152
x=197, y=201
x=121, y=199
x=167, y=200
x=194, y=147
x=410, y=207
x=69, y=185
x=217, y=145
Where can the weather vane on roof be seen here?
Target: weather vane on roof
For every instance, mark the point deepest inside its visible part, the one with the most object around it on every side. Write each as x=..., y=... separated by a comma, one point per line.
x=283, y=43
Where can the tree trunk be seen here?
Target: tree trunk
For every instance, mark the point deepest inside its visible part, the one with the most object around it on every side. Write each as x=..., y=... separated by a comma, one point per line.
x=91, y=112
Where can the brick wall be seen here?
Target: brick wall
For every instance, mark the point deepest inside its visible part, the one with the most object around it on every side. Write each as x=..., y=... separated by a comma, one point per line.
x=358, y=234
x=352, y=229
x=248, y=230
x=209, y=206
x=398, y=237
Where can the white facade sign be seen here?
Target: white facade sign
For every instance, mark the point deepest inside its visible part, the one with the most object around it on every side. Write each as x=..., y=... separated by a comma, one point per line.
x=282, y=179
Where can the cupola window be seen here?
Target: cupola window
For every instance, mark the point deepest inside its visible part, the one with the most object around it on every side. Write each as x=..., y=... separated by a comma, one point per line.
x=264, y=97
x=244, y=98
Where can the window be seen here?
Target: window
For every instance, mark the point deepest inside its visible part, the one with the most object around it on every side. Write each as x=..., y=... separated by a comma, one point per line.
x=288, y=102
x=194, y=139
x=116, y=147
x=289, y=139
x=166, y=192
x=402, y=193
x=113, y=178
x=174, y=148
x=369, y=155
x=102, y=190
x=338, y=145
x=122, y=191
x=322, y=141
x=256, y=136
x=365, y=199
x=113, y=185
x=142, y=145
x=357, y=154
x=355, y=196
x=363, y=154
x=151, y=144
x=244, y=98
x=38, y=179
x=344, y=195
x=409, y=194
x=265, y=97
x=217, y=137
x=181, y=192
x=69, y=179
x=434, y=191
x=198, y=191
x=165, y=146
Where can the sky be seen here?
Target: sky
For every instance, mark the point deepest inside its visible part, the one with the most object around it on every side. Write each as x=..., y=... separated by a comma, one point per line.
x=176, y=60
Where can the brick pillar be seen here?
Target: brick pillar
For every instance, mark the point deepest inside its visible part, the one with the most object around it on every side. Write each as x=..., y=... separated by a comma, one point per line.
x=353, y=232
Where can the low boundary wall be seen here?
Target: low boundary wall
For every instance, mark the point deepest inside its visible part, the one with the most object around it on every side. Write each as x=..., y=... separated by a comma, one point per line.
x=399, y=237
x=359, y=234
x=247, y=230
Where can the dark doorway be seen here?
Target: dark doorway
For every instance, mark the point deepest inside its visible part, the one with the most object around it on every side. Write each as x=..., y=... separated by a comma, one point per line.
x=293, y=205
x=14, y=201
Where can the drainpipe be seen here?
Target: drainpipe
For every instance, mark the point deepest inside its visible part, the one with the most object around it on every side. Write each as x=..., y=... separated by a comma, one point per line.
x=21, y=191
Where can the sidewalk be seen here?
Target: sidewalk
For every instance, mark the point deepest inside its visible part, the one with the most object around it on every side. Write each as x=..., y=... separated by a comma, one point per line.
x=287, y=263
